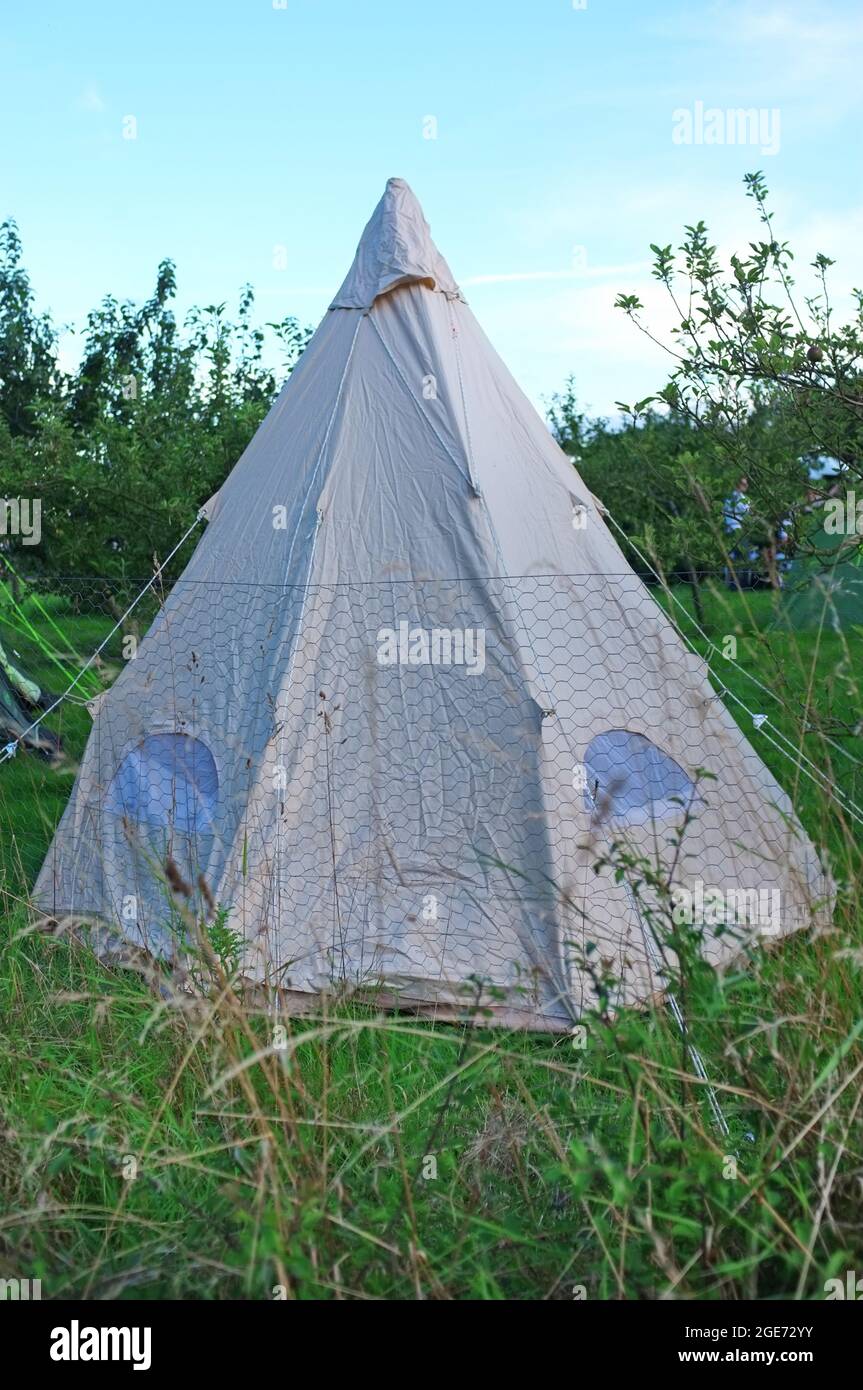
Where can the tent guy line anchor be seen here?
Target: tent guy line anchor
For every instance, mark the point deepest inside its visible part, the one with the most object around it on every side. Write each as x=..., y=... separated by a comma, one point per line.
x=102, y=645
x=795, y=755
x=765, y=689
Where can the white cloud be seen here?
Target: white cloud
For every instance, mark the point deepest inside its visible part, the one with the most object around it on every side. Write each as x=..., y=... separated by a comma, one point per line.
x=752, y=23
x=792, y=46
x=91, y=99
x=586, y=272
x=742, y=22
x=545, y=331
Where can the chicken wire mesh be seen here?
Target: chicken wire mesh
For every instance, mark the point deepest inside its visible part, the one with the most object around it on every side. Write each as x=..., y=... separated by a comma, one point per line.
x=428, y=783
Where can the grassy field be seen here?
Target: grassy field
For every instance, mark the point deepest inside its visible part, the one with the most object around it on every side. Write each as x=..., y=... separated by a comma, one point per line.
x=158, y=1148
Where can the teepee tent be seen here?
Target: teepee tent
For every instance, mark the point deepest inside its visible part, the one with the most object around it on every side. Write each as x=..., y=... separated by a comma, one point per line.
x=20, y=697
x=825, y=589
x=407, y=701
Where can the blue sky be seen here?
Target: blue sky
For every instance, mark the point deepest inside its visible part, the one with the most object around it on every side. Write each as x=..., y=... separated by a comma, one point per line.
x=552, y=169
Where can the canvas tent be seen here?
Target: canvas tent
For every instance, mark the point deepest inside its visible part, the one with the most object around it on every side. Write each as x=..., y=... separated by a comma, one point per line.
x=825, y=589
x=20, y=699
x=407, y=695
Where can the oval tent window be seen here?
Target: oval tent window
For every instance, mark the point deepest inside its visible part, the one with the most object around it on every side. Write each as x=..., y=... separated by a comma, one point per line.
x=167, y=780
x=632, y=782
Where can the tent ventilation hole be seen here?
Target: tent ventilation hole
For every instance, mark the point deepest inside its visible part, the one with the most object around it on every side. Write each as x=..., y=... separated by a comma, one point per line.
x=632, y=782
x=167, y=780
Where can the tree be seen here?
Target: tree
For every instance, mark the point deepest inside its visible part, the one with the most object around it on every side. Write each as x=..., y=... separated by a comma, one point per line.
x=124, y=452
x=773, y=382
x=28, y=341
x=660, y=479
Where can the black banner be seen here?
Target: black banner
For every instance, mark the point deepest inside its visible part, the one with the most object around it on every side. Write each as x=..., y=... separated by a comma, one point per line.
x=62, y=1339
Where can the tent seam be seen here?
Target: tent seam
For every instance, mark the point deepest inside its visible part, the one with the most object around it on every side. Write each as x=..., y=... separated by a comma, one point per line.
x=422, y=414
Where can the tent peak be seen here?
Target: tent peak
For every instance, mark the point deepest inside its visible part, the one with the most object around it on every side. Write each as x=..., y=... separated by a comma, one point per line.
x=395, y=249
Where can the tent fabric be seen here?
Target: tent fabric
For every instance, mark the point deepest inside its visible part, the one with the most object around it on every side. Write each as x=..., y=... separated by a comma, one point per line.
x=396, y=249
x=20, y=700
x=404, y=633
x=825, y=589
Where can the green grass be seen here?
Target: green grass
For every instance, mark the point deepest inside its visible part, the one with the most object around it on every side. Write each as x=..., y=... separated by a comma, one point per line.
x=170, y=1147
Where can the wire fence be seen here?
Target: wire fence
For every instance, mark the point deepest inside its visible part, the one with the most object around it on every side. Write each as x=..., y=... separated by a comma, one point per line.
x=423, y=781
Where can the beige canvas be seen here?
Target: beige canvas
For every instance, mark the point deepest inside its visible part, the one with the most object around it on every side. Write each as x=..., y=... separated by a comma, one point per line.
x=408, y=709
